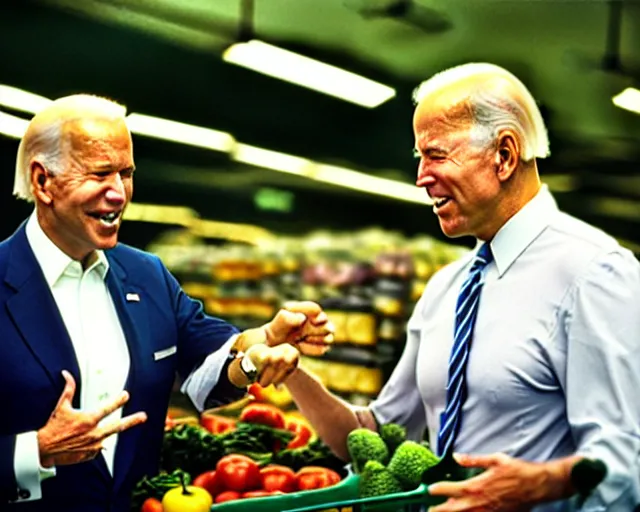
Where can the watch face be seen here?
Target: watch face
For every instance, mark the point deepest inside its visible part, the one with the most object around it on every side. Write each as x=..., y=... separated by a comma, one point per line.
x=249, y=369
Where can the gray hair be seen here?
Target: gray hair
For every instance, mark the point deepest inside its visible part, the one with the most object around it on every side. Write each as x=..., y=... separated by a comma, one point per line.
x=494, y=107
x=43, y=140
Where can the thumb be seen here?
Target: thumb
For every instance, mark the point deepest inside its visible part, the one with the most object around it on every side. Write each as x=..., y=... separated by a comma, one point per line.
x=69, y=389
x=282, y=325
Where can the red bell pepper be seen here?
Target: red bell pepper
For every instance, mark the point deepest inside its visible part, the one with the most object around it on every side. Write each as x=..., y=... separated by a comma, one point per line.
x=266, y=414
x=302, y=433
x=217, y=424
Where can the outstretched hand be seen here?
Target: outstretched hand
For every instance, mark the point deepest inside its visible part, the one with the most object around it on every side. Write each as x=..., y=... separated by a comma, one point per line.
x=506, y=485
x=71, y=436
x=302, y=324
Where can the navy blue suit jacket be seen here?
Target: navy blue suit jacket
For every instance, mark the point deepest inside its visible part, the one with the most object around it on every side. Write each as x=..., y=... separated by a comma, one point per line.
x=35, y=347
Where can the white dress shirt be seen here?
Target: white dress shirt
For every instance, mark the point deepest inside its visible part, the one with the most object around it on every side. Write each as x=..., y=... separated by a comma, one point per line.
x=554, y=364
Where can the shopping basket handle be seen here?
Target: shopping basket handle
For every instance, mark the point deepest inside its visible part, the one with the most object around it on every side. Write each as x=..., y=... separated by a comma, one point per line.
x=448, y=469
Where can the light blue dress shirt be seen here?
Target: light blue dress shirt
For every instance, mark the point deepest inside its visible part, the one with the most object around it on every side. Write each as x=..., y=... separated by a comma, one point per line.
x=554, y=366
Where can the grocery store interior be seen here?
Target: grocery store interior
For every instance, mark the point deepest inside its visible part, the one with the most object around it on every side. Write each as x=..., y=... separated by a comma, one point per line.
x=254, y=189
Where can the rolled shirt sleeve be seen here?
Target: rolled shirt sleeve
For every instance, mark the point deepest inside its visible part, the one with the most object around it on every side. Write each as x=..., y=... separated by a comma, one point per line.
x=200, y=384
x=603, y=376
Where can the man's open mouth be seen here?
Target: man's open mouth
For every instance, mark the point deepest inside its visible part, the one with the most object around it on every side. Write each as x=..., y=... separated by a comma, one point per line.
x=439, y=202
x=108, y=219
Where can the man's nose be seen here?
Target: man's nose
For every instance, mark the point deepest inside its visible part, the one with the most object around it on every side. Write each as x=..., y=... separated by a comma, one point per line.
x=116, y=193
x=425, y=178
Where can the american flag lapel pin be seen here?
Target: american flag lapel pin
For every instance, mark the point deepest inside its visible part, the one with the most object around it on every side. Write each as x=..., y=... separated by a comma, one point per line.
x=133, y=297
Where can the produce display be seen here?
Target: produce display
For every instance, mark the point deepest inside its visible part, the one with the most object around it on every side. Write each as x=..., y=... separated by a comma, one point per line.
x=236, y=454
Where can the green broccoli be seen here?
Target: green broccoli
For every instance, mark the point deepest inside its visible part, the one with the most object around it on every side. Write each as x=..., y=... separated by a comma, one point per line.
x=365, y=445
x=409, y=461
x=377, y=480
x=393, y=435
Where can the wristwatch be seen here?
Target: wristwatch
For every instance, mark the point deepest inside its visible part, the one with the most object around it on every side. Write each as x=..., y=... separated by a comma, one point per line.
x=247, y=367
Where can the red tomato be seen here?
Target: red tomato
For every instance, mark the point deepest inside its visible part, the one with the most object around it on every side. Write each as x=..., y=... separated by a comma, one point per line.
x=238, y=473
x=217, y=424
x=227, y=496
x=260, y=494
x=209, y=481
x=266, y=414
x=278, y=478
x=151, y=505
x=315, y=477
x=302, y=433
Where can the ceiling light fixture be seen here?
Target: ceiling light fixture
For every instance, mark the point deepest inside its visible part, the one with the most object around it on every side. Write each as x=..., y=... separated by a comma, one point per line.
x=180, y=132
x=17, y=99
x=12, y=126
x=629, y=99
x=306, y=72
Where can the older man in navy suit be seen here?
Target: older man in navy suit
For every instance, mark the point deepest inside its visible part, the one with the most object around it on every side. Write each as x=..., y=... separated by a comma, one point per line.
x=93, y=332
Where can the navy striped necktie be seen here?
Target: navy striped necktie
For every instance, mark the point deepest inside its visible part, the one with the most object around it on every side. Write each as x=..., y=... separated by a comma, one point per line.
x=466, y=312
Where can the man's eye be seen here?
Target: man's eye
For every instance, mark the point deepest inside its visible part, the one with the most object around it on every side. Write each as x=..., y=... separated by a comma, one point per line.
x=102, y=174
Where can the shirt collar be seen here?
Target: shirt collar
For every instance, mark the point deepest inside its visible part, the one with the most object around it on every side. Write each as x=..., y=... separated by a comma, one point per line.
x=53, y=261
x=522, y=229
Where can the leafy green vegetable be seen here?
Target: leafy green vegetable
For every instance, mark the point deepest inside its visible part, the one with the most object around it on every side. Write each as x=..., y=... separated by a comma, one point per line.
x=316, y=453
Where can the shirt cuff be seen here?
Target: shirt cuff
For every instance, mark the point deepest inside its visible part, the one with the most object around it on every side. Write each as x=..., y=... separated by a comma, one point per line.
x=203, y=379
x=27, y=468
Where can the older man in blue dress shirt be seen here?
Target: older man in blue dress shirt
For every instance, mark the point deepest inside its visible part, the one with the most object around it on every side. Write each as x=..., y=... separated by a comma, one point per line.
x=553, y=370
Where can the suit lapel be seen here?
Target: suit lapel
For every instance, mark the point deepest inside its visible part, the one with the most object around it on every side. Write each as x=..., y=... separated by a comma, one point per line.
x=133, y=317
x=37, y=317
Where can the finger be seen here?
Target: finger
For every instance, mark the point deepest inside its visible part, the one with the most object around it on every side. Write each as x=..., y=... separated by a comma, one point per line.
x=319, y=339
x=319, y=319
x=122, y=399
x=266, y=376
x=122, y=424
x=479, y=461
x=445, y=488
x=457, y=505
x=306, y=307
x=285, y=368
x=313, y=349
x=69, y=390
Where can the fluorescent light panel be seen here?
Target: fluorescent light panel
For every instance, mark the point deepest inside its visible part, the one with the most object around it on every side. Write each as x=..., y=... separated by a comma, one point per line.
x=12, y=126
x=363, y=182
x=180, y=132
x=24, y=101
x=629, y=99
x=292, y=67
x=274, y=160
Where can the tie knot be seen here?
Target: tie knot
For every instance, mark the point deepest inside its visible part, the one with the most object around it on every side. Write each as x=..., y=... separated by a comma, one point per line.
x=484, y=257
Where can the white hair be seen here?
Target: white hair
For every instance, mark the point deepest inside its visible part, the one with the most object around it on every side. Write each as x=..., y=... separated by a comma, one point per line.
x=494, y=108
x=43, y=140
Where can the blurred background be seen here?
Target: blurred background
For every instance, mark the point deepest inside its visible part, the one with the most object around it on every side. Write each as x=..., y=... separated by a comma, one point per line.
x=270, y=190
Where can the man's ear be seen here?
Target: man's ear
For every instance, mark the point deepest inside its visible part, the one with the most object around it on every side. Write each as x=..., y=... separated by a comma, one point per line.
x=507, y=155
x=40, y=182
